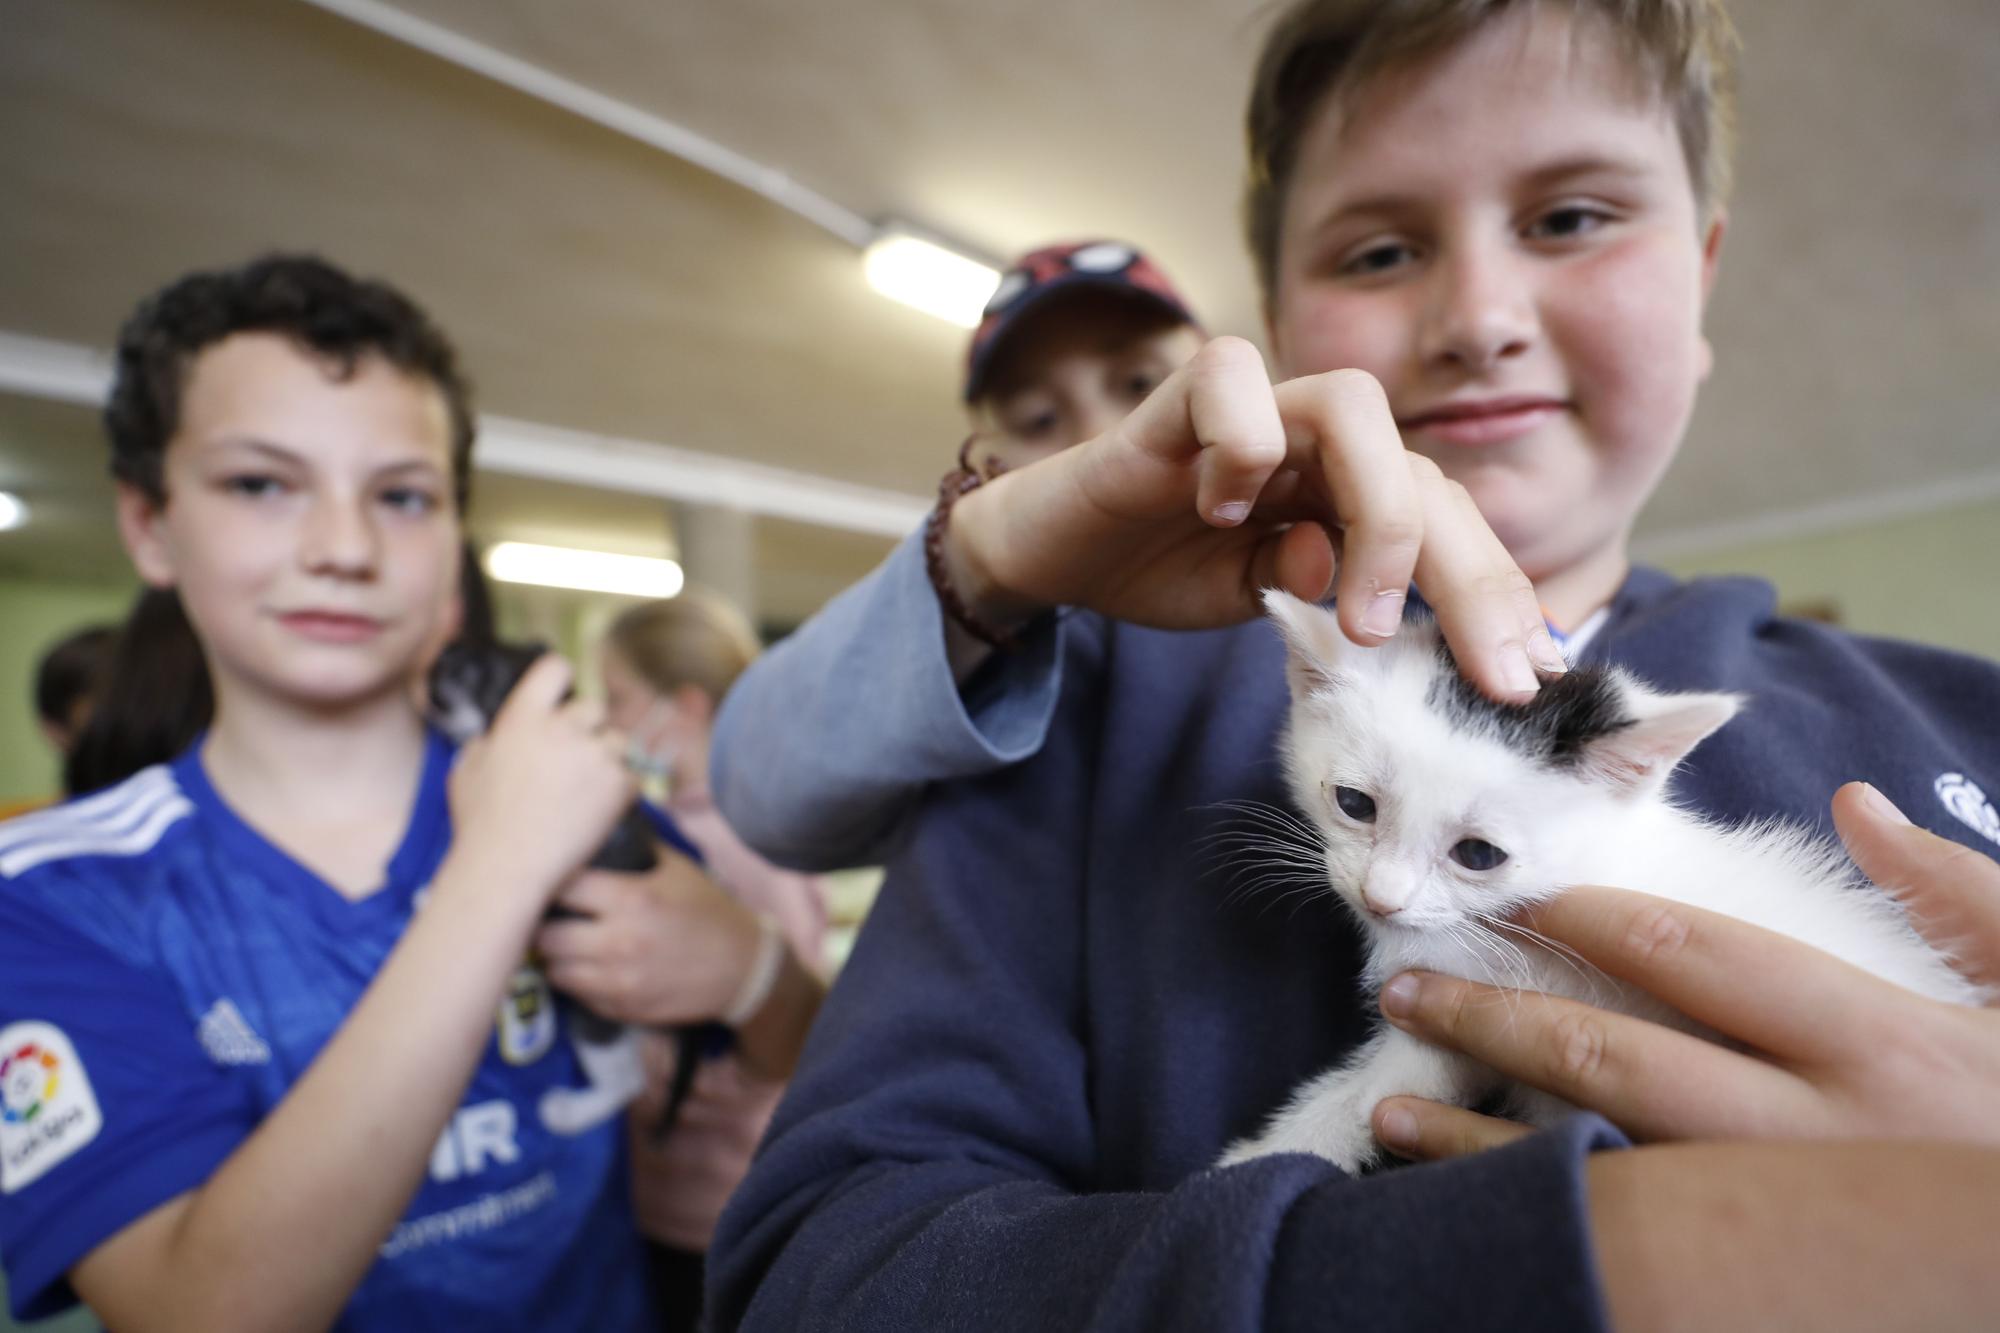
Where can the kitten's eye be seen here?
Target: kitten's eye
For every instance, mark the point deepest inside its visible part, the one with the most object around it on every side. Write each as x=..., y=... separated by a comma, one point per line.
x=1357, y=805
x=1476, y=855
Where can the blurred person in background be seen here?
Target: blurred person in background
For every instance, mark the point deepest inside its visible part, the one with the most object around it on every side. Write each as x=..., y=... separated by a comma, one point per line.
x=67, y=681
x=687, y=951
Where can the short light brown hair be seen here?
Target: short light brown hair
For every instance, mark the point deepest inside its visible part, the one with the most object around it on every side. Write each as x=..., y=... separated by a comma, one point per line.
x=692, y=639
x=1322, y=49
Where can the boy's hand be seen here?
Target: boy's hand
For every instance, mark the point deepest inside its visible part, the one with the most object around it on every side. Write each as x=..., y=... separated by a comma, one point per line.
x=538, y=793
x=664, y=946
x=1220, y=484
x=1830, y=1051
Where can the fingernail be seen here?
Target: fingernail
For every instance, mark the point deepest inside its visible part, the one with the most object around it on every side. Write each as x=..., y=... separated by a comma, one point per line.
x=1398, y=1129
x=1383, y=616
x=1883, y=807
x=1519, y=673
x=1542, y=649
x=1233, y=512
x=1399, y=997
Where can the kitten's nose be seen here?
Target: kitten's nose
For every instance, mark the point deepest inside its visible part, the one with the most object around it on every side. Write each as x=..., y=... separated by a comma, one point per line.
x=1386, y=890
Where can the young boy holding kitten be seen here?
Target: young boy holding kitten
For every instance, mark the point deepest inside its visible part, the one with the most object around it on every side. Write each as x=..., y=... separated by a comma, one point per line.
x=1487, y=232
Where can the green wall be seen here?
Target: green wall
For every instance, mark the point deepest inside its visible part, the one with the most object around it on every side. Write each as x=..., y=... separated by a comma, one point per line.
x=33, y=615
x=1934, y=578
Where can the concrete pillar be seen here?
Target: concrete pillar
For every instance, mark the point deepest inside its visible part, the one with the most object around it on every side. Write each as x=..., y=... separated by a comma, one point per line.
x=718, y=552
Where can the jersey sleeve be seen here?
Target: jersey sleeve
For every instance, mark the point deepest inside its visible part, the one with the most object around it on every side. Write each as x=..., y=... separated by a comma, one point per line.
x=824, y=746
x=109, y=1106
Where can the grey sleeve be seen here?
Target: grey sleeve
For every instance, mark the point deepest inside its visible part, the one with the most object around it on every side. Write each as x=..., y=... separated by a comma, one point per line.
x=824, y=745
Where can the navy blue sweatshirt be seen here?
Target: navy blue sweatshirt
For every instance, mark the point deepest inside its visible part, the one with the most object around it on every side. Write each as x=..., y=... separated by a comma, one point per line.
x=1063, y=1008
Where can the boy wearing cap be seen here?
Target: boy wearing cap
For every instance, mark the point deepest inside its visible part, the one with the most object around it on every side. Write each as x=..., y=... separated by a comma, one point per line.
x=824, y=743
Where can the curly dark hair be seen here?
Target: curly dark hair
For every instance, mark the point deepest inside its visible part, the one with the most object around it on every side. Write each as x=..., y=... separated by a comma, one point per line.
x=335, y=316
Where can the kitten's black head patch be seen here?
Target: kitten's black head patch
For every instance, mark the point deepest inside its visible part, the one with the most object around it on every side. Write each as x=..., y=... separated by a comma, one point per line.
x=1553, y=728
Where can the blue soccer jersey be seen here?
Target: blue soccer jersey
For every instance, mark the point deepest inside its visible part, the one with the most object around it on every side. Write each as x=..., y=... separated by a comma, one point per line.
x=166, y=975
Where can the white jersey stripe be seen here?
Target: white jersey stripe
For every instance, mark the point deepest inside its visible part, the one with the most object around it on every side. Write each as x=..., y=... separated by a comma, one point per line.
x=119, y=807
x=19, y=860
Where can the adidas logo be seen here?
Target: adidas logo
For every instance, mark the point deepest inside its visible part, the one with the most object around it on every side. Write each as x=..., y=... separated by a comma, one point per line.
x=228, y=1038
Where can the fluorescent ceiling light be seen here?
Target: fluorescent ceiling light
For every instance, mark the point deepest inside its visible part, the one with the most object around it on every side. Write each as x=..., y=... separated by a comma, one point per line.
x=586, y=571
x=13, y=511
x=926, y=275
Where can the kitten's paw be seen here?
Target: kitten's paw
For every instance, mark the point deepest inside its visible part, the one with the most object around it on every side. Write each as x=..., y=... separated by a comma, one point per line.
x=1348, y=1146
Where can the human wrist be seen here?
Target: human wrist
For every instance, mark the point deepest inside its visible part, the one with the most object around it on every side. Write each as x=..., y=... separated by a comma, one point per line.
x=969, y=542
x=494, y=883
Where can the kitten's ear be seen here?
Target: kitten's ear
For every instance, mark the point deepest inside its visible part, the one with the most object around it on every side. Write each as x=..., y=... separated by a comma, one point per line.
x=1637, y=758
x=1317, y=647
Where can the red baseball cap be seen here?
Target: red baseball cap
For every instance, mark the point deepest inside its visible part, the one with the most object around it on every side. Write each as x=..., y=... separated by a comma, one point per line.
x=1038, y=275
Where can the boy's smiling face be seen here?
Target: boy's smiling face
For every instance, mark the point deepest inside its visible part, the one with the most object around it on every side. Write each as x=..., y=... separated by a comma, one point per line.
x=309, y=526
x=1506, y=236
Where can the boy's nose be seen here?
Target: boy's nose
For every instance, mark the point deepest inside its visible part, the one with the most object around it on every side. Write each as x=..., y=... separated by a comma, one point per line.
x=338, y=539
x=1091, y=416
x=1481, y=312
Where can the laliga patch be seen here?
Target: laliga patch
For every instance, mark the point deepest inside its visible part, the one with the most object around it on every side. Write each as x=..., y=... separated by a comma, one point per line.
x=1961, y=796
x=47, y=1109
x=527, y=1024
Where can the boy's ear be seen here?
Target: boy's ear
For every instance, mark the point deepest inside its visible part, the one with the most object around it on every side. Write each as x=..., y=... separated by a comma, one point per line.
x=1316, y=646
x=139, y=528
x=1711, y=264
x=693, y=702
x=1638, y=758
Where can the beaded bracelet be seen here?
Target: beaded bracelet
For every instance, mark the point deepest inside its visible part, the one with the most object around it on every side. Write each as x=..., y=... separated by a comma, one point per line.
x=959, y=481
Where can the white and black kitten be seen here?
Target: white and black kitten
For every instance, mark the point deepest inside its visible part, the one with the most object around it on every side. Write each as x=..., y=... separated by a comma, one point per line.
x=1439, y=813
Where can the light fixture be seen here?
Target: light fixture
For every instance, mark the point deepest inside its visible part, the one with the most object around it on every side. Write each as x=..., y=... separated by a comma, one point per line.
x=13, y=511
x=932, y=277
x=586, y=571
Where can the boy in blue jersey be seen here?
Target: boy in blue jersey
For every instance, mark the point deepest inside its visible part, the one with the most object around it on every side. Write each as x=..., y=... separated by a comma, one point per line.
x=1486, y=232
x=272, y=1054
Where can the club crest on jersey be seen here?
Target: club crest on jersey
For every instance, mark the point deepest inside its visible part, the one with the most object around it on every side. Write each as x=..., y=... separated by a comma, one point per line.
x=1961, y=796
x=527, y=1024
x=47, y=1108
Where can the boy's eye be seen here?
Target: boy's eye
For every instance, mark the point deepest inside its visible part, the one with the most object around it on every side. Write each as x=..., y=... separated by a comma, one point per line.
x=1356, y=805
x=1475, y=854
x=1566, y=222
x=252, y=485
x=1141, y=383
x=1376, y=259
x=1035, y=426
x=410, y=500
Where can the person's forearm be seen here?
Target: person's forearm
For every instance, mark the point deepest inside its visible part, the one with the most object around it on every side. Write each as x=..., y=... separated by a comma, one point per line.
x=771, y=1039
x=286, y=1228
x=1861, y=1236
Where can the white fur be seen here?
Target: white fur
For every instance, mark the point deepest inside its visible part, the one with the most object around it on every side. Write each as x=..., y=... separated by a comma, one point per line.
x=1360, y=719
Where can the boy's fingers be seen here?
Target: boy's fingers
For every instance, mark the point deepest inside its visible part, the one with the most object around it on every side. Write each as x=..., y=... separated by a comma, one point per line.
x=1485, y=606
x=1794, y=1002
x=568, y=941
x=593, y=893
x=540, y=688
x=1223, y=390
x=1426, y=1131
x=1298, y=559
x=1235, y=421
x=1952, y=893
x=1343, y=416
x=1653, y=1081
